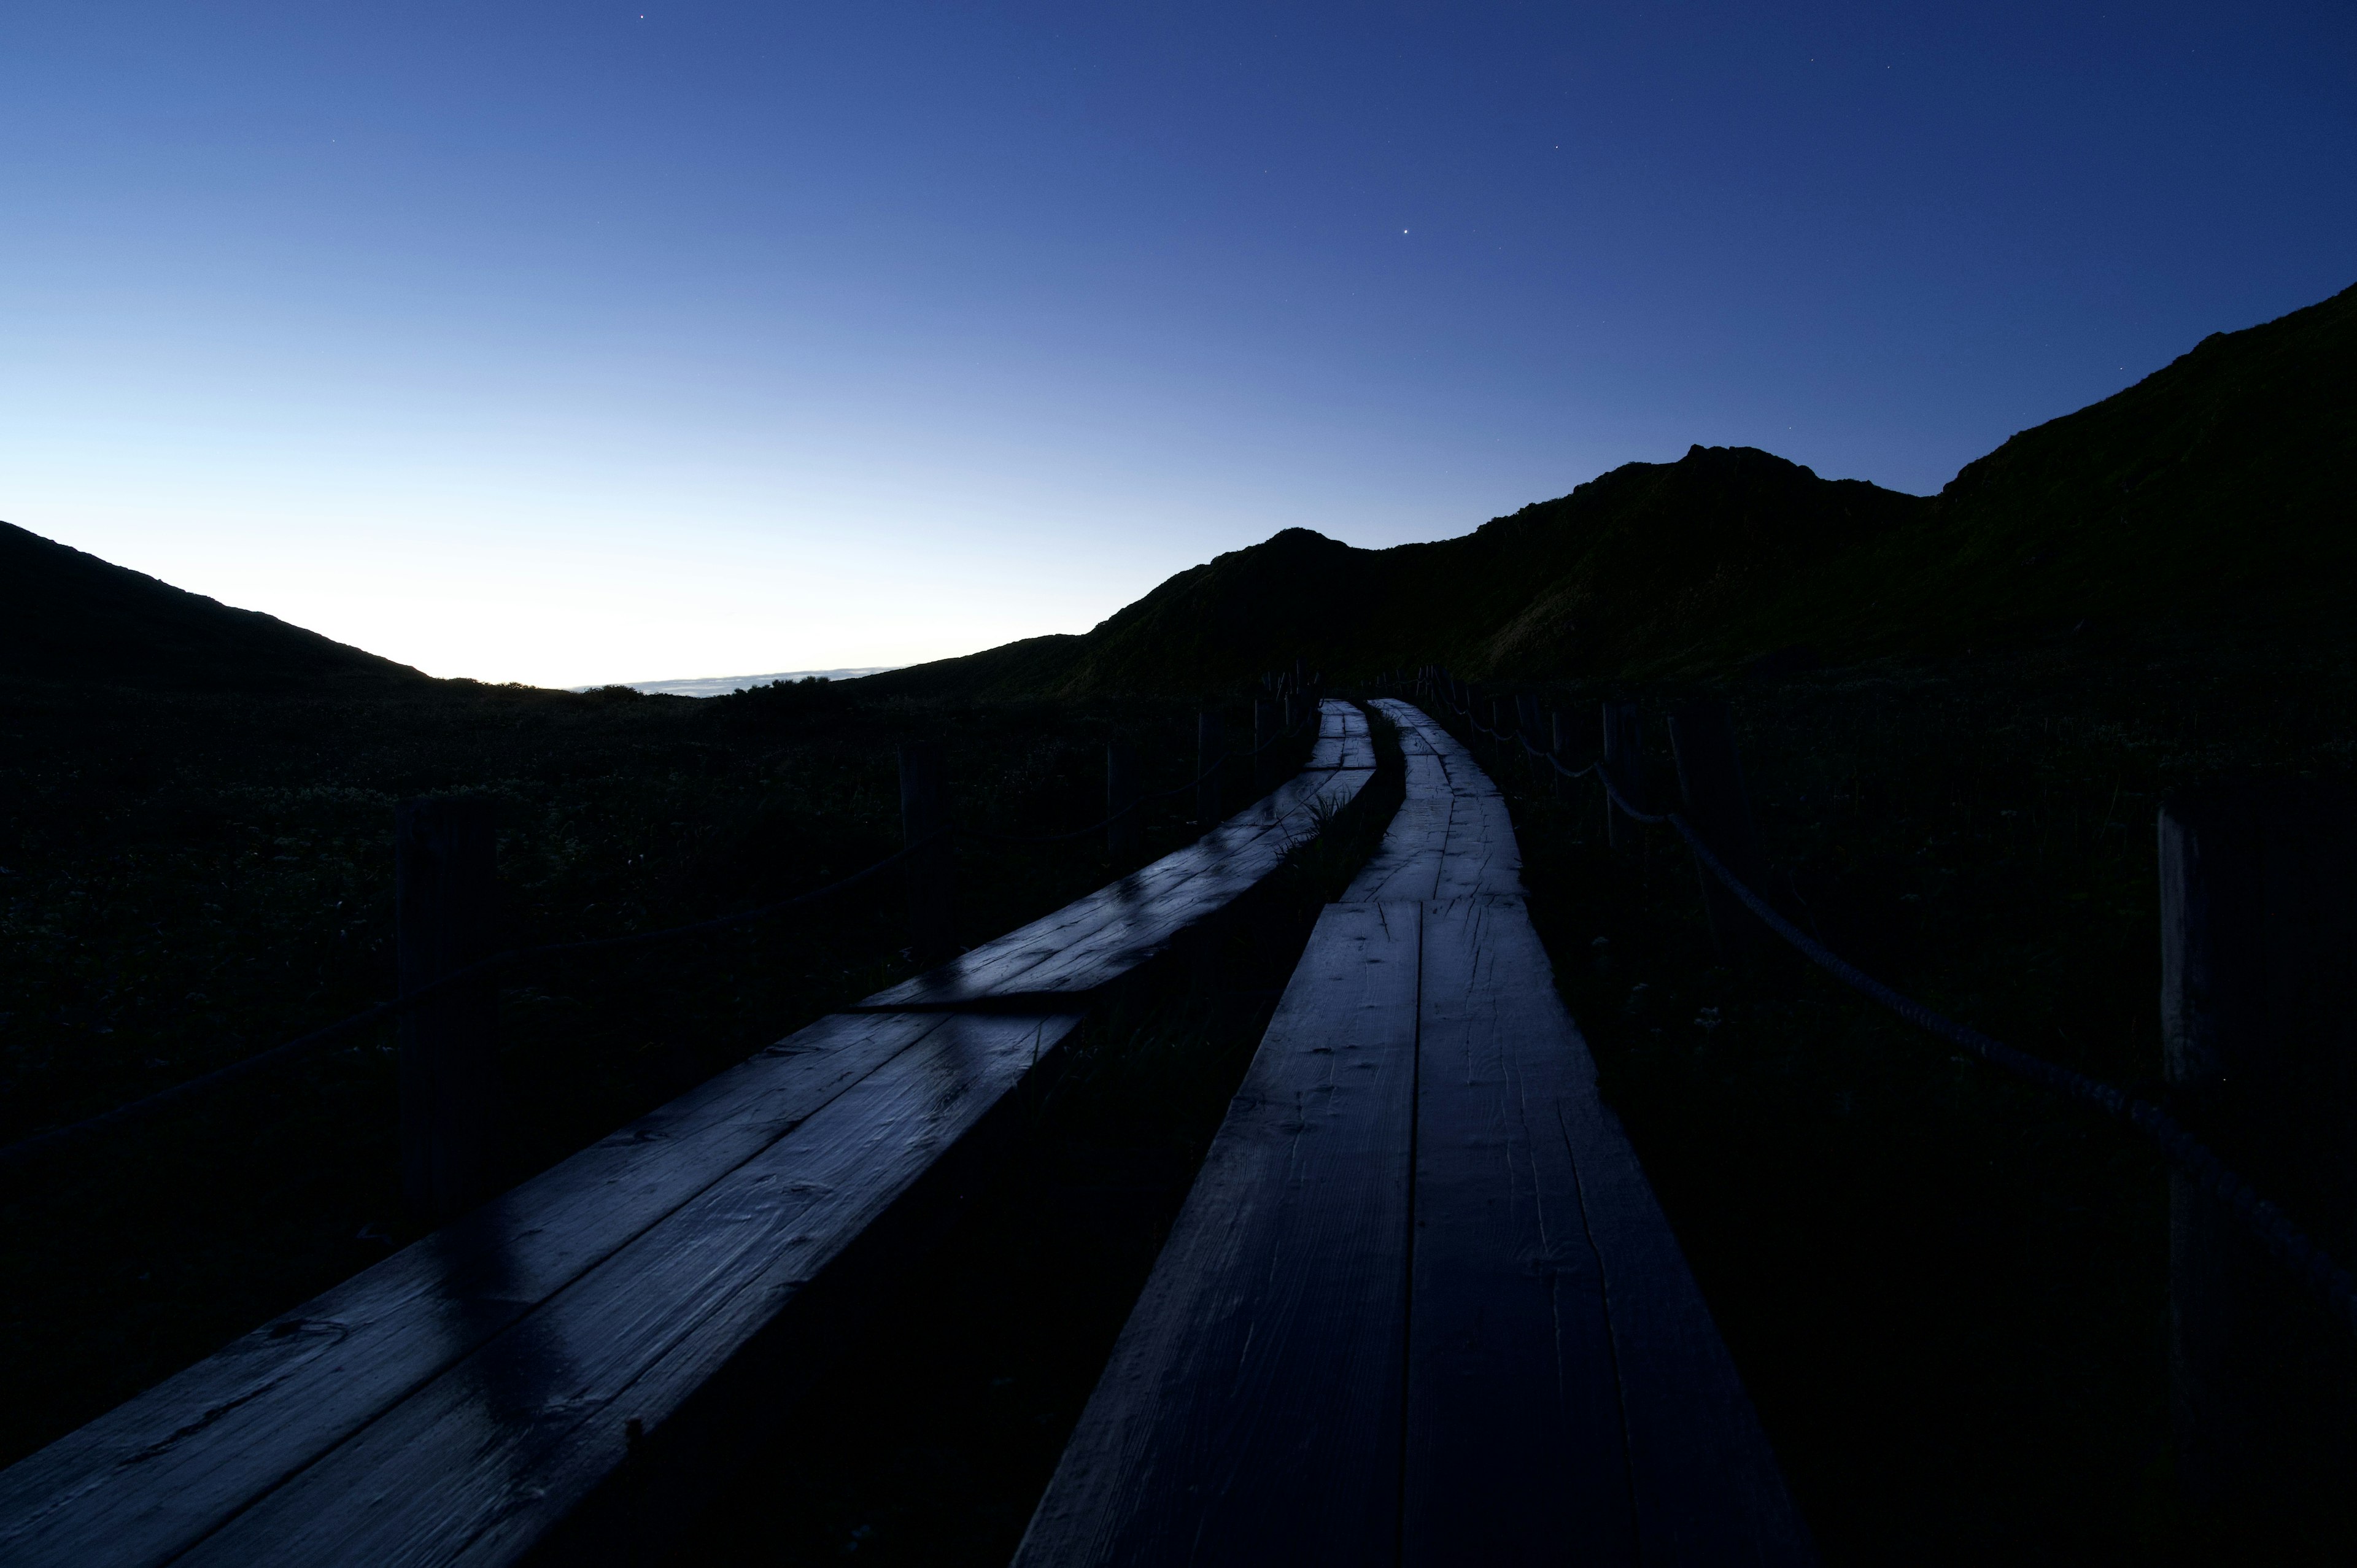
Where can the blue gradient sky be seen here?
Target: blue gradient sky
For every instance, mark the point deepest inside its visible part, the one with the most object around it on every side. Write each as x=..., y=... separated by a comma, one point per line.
x=575, y=342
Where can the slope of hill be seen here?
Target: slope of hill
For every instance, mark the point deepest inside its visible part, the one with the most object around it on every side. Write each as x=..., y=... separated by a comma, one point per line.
x=1639, y=562
x=1033, y=667
x=67, y=615
x=2221, y=488
x=2223, y=485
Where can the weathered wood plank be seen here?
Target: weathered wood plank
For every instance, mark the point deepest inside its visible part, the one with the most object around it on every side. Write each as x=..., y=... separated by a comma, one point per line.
x=1095, y=941
x=1407, y=864
x=1565, y=1395
x=1343, y=740
x=145, y=1481
x=1453, y=837
x=1484, y=859
x=493, y=1453
x=1514, y=1450
x=1704, y=1483
x=1250, y=1409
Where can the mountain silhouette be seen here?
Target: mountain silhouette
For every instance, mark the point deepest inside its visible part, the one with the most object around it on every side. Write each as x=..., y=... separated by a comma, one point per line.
x=1641, y=563
x=2223, y=486
x=2219, y=487
x=68, y=616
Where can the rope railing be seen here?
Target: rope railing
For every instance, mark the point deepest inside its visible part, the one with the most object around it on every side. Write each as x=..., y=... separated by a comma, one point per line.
x=2274, y=1230
x=134, y=1112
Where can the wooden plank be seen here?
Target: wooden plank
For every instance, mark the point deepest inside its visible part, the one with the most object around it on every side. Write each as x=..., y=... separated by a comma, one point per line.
x=145, y=1481
x=488, y=1458
x=1343, y=740
x=1704, y=1482
x=1564, y=1393
x=1514, y=1450
x=1453, y=837
x=1484, y=858
x=1250, y=1409
x=1407, y=863
x=1499, y=1049
x=1091, y=942
x=1095, y=941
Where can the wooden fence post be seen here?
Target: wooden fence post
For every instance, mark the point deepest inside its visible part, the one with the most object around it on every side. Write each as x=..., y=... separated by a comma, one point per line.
x=1264, y=734
x=445, y=904
x=1123, y=830
x=1624, y=764
x=2258, y=922
x=1211, y=749
x=1710, y=780
x=933, y=870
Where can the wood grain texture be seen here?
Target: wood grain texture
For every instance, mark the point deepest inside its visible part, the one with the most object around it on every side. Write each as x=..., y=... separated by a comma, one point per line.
x=491, y=1453
x=1407, y=863
x=1250, y=1411
x=1453, y=837
x=1343, y=740
x=145, y=1481
x=1515, y=1450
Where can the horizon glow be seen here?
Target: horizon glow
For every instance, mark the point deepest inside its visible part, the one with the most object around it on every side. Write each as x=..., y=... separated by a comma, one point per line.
x=571, y=344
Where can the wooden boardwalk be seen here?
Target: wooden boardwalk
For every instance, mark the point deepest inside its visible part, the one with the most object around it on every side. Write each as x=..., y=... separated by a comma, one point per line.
x=1421, y=1306
x=571, y=1366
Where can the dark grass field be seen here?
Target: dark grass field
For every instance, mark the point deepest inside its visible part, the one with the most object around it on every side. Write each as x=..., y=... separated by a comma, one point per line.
x=191, y=879
x=1947, y=1290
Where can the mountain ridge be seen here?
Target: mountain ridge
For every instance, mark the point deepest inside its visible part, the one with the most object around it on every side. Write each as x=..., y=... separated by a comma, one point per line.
x=2215, y=488
x=66, y=615
x=2219, y=486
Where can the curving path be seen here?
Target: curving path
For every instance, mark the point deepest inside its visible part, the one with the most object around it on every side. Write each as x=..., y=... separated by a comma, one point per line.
x=1421, y=1306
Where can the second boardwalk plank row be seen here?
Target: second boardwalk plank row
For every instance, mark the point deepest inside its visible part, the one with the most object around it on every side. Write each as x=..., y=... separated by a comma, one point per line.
x=1421, y=1305
x=1252, y=1403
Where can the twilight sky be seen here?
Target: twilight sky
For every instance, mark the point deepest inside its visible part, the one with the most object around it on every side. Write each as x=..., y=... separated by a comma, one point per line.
x=570, y=342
